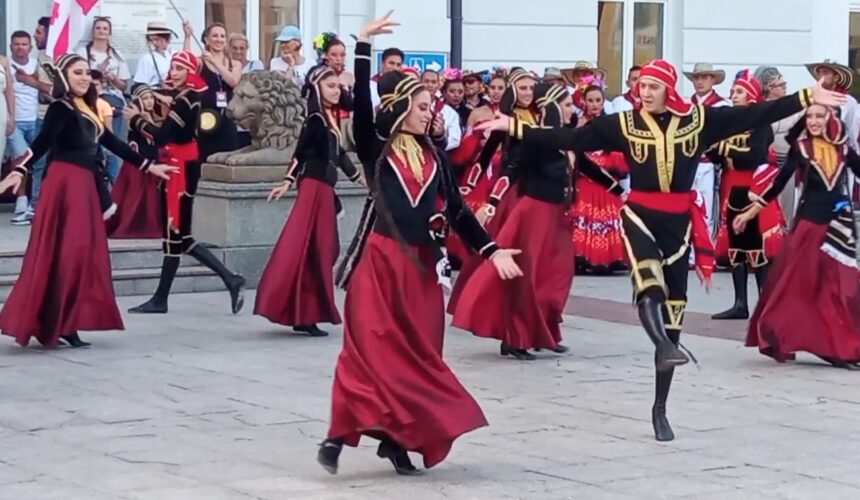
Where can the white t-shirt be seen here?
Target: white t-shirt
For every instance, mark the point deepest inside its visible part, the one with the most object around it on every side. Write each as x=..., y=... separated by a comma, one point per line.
x=300, y=73
x=26, y=97
x=152, y=67
x=112, y=63
x=452, y=127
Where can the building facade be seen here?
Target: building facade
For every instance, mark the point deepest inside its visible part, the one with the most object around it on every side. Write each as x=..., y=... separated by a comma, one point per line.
x=731, y=34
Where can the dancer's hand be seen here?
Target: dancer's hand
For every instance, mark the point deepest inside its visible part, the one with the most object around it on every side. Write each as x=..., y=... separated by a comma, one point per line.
x=163, y=171
x=130, y=112
x=500, y=123
x=279, y=191
x=741, y=221
x=706, y=281
x=825, y=97
x=503, y=261
x=380, y=26
x=13, y=181
x=483, y=214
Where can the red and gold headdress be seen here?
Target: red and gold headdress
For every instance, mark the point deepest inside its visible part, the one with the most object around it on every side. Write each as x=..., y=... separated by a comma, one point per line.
x=662, y=72
x=745, y=80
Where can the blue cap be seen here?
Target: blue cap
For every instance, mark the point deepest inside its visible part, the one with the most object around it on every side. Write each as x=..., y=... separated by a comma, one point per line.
x=288, y=33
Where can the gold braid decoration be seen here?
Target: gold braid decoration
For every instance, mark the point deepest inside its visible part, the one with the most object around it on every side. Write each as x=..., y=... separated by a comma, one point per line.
x=407, y=150
x=525, y=115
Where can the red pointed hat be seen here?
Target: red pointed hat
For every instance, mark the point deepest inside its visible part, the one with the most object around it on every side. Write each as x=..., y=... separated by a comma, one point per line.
x=191, y=62
x=747, y=81
x=662, y=72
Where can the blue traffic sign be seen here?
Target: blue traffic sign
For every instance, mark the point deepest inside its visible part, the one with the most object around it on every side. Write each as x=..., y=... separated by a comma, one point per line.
x=436, y=61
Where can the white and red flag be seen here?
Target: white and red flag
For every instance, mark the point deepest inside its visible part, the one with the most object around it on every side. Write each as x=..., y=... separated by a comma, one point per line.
x=68, y=23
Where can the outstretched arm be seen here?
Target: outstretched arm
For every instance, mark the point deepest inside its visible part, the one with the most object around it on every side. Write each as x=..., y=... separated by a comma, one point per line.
x=603, y=133
x=362, y=117
x=598, y=174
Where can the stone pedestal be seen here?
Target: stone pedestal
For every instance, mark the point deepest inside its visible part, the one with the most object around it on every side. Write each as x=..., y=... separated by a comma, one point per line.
x=231, y=213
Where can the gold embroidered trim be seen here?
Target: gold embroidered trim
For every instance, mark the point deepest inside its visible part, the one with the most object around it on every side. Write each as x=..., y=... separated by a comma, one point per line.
x=675, y=310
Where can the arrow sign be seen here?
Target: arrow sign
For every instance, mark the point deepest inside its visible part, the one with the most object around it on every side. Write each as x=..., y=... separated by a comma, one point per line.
x=420, y=61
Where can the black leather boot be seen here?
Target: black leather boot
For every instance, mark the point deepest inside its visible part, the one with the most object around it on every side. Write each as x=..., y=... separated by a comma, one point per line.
x=74, y=340
x=740, y=309
x=520, y=354
x=158, y=303
x=667, y=354
x=662, y=428
x=398, y=456
x=235, y=283
x=312, y=330
x=761, y=277
x=329, y=454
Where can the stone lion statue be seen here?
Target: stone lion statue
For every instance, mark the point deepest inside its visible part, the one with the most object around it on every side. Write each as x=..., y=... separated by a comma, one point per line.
x=270, y=106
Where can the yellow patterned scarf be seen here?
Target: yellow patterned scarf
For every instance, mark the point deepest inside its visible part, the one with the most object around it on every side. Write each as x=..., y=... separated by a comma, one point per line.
x=410, y=152
x=85, y=110
x=825, y=155
x=524, y=115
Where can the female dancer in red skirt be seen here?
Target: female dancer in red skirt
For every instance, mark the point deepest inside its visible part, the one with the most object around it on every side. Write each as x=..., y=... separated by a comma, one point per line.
x=517, y=101
x=178, y=138
x=811, y=299
x=65, y=282
x=297, y=286
x=138, y=213
x=390, y=382
x=744, y=155
x=525, y=314
x=596, y=213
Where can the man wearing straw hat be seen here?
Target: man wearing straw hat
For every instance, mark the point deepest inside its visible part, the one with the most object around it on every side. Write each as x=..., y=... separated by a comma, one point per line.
x=152, y=68
x=839, y=78
x=705, y=78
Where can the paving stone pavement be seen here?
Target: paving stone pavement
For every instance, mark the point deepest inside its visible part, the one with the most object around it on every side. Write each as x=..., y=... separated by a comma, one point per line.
x=199, y=404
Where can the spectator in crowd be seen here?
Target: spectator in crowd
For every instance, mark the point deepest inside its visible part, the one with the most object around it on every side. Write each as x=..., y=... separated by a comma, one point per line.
x=773, y=87
x=392, y=60
x=217, y=131
x=152, y=68
x=40, y=36
x=290, y=59
x=101, y=56
x=7, y=107
x=331, y=51
x=238, y=45
x=26, y=86
x=627, y=100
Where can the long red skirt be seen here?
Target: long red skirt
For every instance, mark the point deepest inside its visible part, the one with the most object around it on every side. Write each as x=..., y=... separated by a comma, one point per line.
x=297, y=285
x=597, y=227
x=524, y=313
x=474, y=261
x=138, y=214
x=810, y=302
x=390, y=376
x=65, y=281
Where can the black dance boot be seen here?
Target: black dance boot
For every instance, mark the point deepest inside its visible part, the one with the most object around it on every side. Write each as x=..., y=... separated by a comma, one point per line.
x=520, y=354
x=761, y=277
x=662, y=429
x=235, y=283
x=740, y=310
x=74, y=340
x=667, y=355
x=329, y=454
x=398, y=457
x=312, y=330
x=158, y=303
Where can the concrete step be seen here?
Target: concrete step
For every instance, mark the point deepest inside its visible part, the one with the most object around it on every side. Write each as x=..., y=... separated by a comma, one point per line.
x=142, y=281
x=131, y=254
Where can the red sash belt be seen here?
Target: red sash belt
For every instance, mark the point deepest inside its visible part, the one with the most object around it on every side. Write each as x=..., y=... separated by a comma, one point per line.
x=678, y=203
x=178, y=155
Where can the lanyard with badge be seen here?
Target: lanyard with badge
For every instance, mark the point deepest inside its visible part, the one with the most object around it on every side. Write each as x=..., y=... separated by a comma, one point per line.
x=221, y=94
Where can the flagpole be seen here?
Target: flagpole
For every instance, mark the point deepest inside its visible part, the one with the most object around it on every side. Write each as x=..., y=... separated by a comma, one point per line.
x=182, y=18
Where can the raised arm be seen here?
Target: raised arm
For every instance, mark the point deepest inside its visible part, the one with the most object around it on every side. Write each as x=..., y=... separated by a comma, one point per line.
x=362, y=117
x=724, y=122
